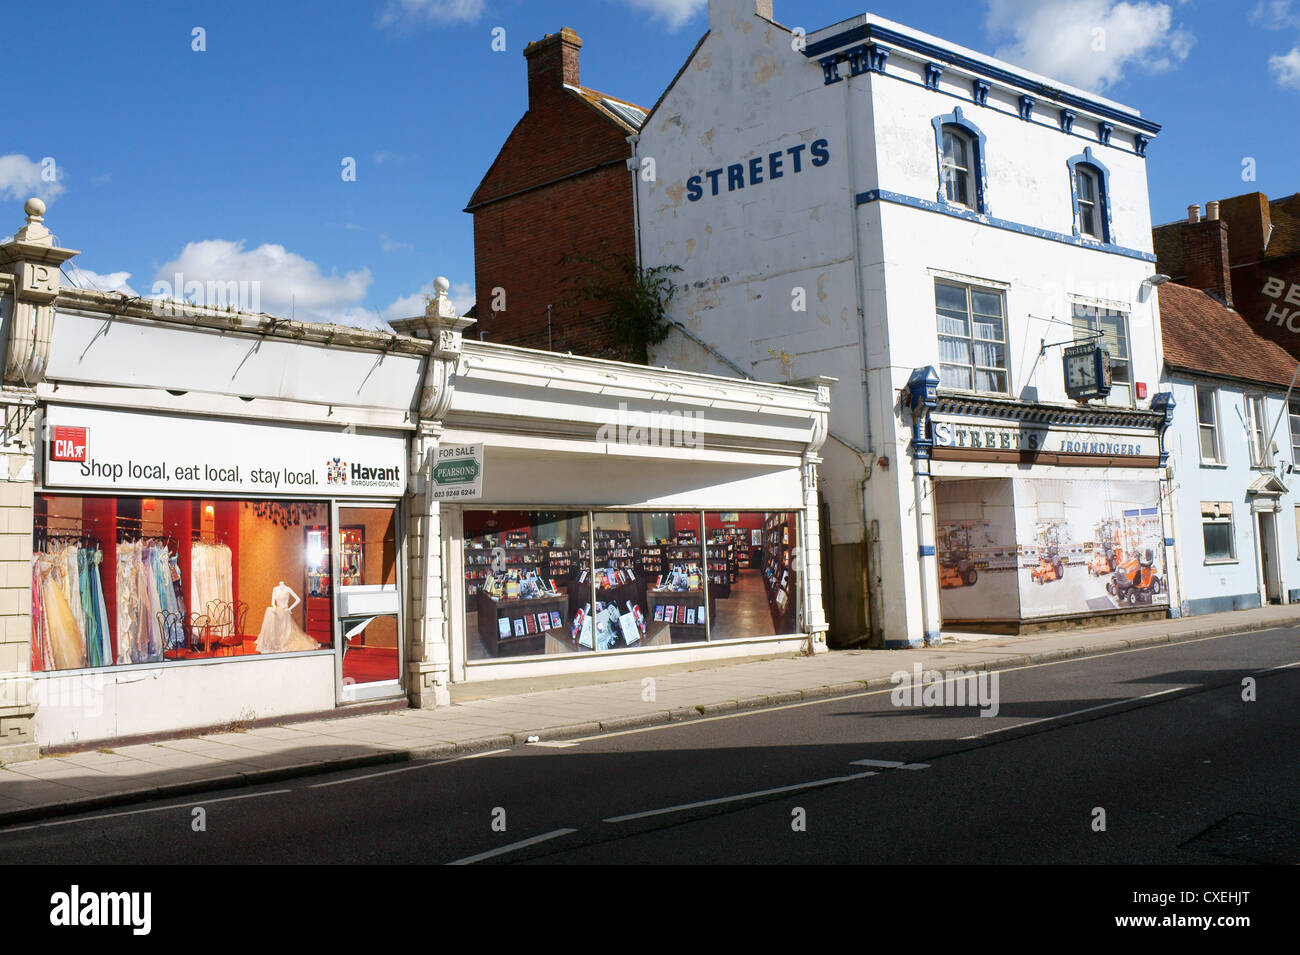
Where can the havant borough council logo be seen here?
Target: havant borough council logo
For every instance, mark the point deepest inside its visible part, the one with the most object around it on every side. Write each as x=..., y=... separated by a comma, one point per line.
x=336, y=471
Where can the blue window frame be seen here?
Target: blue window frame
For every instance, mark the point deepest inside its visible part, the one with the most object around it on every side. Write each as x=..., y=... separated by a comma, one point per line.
x=960, y=151
x=1090, y=195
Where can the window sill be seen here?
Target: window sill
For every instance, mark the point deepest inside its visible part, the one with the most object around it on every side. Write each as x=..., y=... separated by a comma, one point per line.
x=1220, y=563
x=1216, y=465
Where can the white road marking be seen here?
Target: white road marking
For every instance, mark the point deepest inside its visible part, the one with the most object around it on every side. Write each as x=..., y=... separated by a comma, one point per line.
x=512, y=847
x=404, y=769
x=137, y=812
x=889, y=764
x=759, y=710
x=726, y=799
x=1090, y=709
x=553, y=744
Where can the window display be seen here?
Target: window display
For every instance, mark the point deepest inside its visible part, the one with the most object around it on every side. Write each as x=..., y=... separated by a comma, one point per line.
x=527, y=590
x=539, y=583
x=128, y=580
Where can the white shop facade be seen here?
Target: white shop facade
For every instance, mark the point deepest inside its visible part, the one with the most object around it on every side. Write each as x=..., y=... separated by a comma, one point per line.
x=236, y=518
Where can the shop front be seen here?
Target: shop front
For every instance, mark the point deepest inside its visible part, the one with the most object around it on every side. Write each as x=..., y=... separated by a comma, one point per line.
x=1047, y=514
x=199, y=570
x=651, y=516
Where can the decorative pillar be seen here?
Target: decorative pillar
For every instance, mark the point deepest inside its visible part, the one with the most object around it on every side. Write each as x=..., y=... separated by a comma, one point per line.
x=430, y=630
x=29, y=265
x=814, y=623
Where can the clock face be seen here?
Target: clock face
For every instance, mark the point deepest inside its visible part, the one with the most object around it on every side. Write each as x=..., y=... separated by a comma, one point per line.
x=1080, y=372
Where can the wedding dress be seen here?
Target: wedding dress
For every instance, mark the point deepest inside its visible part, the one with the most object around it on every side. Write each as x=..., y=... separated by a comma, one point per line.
x=280, y=634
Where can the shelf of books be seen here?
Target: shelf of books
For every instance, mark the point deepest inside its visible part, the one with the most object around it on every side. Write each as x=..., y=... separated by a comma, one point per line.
x=778, y=574
x=721, y=566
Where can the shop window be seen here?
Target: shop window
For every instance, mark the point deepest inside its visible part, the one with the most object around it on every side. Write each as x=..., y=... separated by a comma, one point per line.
x=753, y=573
x=679, y=602
x=128, y=580
x=1261, y=454
x=541, y=583
x=527, y=583
x=369, y=607
x=1207, y=416
x=972, y=337
x=1111, y=327
x=1216, y=530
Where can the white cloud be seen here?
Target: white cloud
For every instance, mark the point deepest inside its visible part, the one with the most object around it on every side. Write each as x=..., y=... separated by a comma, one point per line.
x=408, y=306
x=1087, y=43
x=1286, y=68
x=102, y=281
x=285, y=283
x=389, y=244
x=407, y=13
x=1275, y=15
x=675, y=13
x=21, y=178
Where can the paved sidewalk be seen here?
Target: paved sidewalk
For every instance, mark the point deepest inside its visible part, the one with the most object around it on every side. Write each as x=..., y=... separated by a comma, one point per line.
x=60, y=785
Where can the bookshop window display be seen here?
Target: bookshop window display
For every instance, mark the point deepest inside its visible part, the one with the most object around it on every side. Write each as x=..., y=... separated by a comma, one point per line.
x=553, y=582
x=130, y=580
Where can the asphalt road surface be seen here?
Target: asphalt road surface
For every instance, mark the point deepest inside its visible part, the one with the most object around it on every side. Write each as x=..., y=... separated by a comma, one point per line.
x=1158, y=744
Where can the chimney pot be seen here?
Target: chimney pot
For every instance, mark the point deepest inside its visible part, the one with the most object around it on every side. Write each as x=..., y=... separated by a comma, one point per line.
x=1212, y=210
x=1194, y=213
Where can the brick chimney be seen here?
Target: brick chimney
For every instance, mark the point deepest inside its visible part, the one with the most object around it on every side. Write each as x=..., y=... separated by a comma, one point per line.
x=552, y=62
x=1205, y=253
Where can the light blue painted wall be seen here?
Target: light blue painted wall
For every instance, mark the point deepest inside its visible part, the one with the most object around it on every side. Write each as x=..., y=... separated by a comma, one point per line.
x=1228, y=586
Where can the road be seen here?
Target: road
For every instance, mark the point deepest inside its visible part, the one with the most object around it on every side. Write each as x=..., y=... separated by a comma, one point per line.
x=1159, y=740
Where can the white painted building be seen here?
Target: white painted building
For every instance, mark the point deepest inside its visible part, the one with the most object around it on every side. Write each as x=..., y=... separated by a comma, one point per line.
x=866, y=202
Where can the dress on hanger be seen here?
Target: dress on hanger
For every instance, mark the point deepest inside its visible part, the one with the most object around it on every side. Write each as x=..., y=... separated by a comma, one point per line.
x=280, y=634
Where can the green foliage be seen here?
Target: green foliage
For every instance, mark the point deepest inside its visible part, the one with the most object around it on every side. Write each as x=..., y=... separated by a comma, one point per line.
x=634, y=299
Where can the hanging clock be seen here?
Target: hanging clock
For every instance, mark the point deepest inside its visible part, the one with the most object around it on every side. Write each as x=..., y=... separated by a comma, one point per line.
x=1087, y=371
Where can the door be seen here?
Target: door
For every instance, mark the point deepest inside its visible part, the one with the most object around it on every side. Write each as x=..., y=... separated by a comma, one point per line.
x=370, y=654
x=1268, y=558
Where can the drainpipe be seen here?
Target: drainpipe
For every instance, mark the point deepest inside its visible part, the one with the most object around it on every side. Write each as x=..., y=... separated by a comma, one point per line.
x=633, y=165
x=922, y=399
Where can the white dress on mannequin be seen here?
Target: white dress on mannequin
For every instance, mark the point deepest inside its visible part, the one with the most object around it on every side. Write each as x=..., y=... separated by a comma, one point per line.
x=280, y=634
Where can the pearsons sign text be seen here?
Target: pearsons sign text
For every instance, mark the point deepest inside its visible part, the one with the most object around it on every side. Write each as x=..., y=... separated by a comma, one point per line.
x=753, y=172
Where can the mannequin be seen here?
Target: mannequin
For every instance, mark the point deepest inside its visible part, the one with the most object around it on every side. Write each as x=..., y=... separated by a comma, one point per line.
x=280, y=634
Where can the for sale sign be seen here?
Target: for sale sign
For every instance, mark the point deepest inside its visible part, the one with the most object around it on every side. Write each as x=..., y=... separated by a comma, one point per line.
x=457, y=473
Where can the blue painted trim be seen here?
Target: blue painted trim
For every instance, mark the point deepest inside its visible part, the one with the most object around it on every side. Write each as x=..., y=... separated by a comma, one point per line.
x=1086, y=158
x=874, y=31
x=932, y=638
x=1175, y=612
x=908, y=644
x=882, y=195
x=926, y=550
x=1169, y=542
x=979, y=168
x=1222, y=604
x=1067, y=120
x=1027, y=108
x=980, y=92
x=932, y=73
x=859, y=60
x=1104, y=131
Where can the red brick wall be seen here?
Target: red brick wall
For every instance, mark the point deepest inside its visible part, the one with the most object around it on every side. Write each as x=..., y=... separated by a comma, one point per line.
x=1205, y=257
x=568, y=162
x=519, y=245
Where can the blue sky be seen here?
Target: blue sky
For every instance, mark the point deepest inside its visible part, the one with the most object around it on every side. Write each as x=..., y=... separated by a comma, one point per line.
x=227, y=163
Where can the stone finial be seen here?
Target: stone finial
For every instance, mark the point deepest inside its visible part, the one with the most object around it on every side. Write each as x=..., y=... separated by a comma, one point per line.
x=440, y=306
x=34, y=232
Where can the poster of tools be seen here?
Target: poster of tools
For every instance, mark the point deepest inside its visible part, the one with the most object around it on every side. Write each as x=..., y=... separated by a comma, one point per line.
x=1024, y=548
